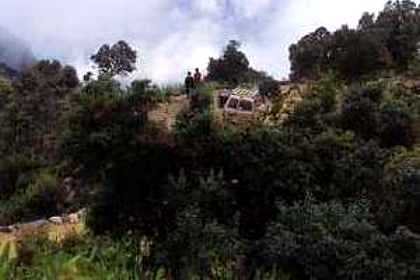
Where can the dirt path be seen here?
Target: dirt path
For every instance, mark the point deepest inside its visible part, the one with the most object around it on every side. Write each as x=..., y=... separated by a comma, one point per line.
x=165, y=113
x=55, y=228
x=53, y=232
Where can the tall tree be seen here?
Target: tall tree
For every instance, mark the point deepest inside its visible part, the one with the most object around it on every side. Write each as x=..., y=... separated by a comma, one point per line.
x=399, y=25
x=391, y=39
x=354, y=53
x=33, y=110
x=367, y=21
x=118, y=59
x=232, y=67
x=310, y=55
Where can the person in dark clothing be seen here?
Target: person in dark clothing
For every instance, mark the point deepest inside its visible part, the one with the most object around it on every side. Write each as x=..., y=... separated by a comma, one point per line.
x=189, y=84
x=197, y=76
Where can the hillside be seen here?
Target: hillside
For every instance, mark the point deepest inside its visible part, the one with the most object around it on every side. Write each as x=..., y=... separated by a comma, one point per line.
x=117, y=177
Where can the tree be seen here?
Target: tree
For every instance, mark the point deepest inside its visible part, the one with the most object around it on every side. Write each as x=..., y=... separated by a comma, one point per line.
x=366, y=22
x=355, y=53
x=399, y=26
x=310, y=55
x=391, y=39
x=33, y=110
x=118, y=59
x=232, y=67
x=396, y=125
x=269, y=87
x=360, y=111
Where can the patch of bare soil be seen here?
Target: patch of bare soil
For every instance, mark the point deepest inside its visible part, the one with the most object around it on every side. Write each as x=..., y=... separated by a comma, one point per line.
x=55, y=228
x=165, y=113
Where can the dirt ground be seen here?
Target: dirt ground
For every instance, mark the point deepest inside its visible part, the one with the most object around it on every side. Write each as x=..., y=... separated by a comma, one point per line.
x=52, y=231
x=165, y=113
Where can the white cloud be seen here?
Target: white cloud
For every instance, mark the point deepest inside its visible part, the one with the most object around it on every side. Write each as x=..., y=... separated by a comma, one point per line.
x=252, y=8
x=209, y=7
x=175, y=35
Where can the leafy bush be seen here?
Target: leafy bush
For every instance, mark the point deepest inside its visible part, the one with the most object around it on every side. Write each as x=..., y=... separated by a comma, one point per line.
x=359, y=112
x=201, y=99
x=190, y=126
x=15, y=173
x=401, y=201
x=318, y=109
x=334, y=241
x=84, y=257
x=387, y=120
x=100, y=129
x=134, y=195
x=395, y=125
x=38, y=199
x=307, y=115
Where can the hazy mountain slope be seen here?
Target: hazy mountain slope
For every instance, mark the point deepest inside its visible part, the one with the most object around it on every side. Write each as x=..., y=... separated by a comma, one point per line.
x=8, y=72
x=13, y=51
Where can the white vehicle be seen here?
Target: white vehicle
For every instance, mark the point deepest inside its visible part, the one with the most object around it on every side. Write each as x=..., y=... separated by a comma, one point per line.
x=241, y=104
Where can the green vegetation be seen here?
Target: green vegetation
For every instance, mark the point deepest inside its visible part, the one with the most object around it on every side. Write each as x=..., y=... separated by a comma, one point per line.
x=386, y=42
x=330, y=192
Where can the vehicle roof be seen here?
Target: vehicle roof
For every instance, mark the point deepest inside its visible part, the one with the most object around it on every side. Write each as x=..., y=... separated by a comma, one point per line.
x=245, y=92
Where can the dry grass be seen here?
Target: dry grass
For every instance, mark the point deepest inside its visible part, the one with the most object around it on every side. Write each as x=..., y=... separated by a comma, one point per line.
x=53, y=232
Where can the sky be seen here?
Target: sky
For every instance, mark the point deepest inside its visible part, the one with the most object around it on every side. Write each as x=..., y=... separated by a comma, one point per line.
x=174, y=36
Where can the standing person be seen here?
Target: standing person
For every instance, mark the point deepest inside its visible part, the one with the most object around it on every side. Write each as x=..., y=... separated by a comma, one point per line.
x=197, y=76
x=189, y=84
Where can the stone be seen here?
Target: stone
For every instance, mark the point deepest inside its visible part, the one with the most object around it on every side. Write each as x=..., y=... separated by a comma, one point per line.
x=56, y=220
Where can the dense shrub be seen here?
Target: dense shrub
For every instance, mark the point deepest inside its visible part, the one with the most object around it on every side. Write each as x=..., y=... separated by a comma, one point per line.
x=360, y=110
x=192, y=126
x=38, y=199
x=333, y=241
x=307, y=116
x=15, y=173
x=395, y=125
x=202, y=101
x=78, y=257
x=343, y=167
x=387, y=120
x=31, y=116
x=402, y=199
x=134, y=195
x=100, y=129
